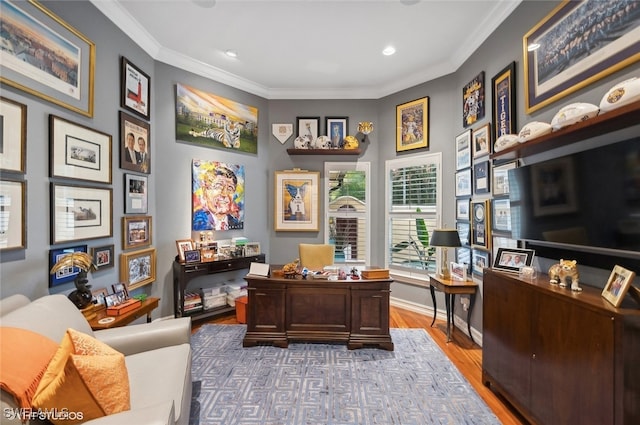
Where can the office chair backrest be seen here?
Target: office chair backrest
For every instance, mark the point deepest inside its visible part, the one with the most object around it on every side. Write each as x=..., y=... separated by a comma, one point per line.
x=315, y=256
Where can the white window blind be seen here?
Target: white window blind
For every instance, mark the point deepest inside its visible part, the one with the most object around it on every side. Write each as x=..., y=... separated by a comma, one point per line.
x=347, y=211
x=413, y=210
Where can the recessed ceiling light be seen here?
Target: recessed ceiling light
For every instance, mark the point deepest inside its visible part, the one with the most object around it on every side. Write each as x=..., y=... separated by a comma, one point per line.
x=231, y=53
x=533, y=46
x=388, y=51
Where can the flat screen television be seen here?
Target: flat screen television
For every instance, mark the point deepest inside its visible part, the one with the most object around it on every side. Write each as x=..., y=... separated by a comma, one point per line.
x=583, y=206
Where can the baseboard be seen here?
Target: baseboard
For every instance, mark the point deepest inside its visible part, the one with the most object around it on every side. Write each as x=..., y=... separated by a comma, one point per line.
x=458, y=322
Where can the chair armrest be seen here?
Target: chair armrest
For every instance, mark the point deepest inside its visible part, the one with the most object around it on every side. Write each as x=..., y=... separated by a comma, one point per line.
x=147, y=336
x=160, y=414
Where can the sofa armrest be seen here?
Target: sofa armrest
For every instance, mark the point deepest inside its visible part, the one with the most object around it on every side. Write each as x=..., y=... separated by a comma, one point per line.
x=147, y=336
x=161, y=414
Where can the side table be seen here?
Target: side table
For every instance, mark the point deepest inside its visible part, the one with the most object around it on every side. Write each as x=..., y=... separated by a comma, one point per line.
x=451, y=287
x=147, y=306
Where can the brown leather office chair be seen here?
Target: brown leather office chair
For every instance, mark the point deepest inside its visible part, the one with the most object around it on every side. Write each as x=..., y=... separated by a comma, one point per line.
x=315, y=256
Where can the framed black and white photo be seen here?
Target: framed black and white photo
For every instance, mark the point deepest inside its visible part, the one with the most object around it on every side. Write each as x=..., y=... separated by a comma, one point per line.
x=512, y=260
x=135, y=89
x=13, y=224
x=481, y=177
x=462, y=209
x=463, y=150
x=78, y=152
x=463, y=182
x=80, y=212
x=135, y=194
x=501, y=178
x=13, y=141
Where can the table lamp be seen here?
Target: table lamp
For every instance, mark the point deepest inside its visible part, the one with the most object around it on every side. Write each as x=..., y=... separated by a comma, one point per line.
x=445, y=238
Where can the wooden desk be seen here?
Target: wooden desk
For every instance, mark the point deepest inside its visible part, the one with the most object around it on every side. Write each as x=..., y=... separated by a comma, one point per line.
x=147, y=306
x=451, y=288
x=281, y=310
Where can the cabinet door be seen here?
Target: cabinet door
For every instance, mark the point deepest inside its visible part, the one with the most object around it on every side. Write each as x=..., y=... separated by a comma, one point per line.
x=265, y=310
x=506, y=329
x=370, y=312
x=317, y=309
x=573, y=365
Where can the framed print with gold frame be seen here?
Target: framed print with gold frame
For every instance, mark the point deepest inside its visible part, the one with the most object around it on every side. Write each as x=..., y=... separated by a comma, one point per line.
x=65, y=79
x=78, y=152
x=547, y=81
x=136, y=231
x=412, y=125
x=13, y=225
x=138, y=268
x=473, y=100
x=617, y=285
x=480, y=224
x=13, y=155
x=297, y=201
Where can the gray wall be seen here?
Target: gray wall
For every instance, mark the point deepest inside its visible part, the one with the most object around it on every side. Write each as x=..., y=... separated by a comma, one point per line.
x=169, y=203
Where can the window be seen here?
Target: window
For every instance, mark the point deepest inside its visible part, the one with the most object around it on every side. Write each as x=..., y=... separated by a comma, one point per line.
x=413, y=210
x=347, y=211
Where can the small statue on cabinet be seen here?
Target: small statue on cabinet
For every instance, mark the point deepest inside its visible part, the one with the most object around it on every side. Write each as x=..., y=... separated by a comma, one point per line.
x=558, y=274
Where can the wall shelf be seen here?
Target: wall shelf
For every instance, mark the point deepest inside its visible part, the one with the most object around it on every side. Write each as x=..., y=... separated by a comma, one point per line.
x=623, y=117
x=293, y=151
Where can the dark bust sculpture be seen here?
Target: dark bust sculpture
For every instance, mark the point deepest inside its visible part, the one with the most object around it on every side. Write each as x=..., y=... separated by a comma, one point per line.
x=82, y=296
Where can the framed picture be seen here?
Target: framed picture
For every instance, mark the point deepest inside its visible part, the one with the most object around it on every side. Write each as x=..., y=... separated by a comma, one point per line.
x=473, y=101
x=252, y=248
x=464, y=232
x=512, y=260
x=617, y=285
x=135, y=194
x=554, y=190
x=135, y=92
x=234, y=126
x=135, y=144
x=500, y=185
x=80, y=212
x=481, y=177
x=458, y=271
x=184, y=245
x=120, y=288
x=78, y=152
x=617, y=46
x=503, y=102
x=479, y=261
x=103, y=256
x=501, y=214
x=138, y=268
x=192, y=256
x=462, y=209
x=463, y=150
x=308, y=127
x=482, y=141
x=503, y=242
x=13, y=213
x=99, y=296
x=297, y=201
x=412, y=125
x=463, y=182
x=218, y=196
x=337, y=128
x=13, y=154
x=136, y=231
x=112, y=300
x=66, y=77
x=480, y=219
x=67, y=274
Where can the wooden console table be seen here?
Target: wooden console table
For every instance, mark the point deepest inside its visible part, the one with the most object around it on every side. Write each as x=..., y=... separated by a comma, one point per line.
x=451, y=287
x=147, y=306
x=281, y=310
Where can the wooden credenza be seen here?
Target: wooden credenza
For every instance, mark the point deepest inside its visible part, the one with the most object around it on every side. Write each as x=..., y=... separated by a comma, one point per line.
x=561, y=357
x=281, y=310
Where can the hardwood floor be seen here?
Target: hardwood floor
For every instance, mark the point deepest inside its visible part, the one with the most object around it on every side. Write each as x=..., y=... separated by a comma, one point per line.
x=466, y=355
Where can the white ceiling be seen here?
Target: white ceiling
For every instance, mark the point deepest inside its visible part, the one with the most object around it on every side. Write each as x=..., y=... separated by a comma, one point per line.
x=311, y=49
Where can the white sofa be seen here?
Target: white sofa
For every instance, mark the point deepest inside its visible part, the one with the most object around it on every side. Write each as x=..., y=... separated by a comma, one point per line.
x=157, y=357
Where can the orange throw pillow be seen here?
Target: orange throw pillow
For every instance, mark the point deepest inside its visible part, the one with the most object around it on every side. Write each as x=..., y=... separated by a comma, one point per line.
x=24, y=356
x=86, y=378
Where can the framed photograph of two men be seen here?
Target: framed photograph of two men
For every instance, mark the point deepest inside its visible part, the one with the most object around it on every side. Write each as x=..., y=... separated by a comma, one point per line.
x=66, y=78
x=577, y=44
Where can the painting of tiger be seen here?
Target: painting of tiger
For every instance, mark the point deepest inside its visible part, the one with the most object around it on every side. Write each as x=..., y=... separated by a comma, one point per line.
x=229, y=136
x=558, y=274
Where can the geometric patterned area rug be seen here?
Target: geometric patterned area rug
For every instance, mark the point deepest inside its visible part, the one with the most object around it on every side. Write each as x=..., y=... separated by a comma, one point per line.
x=312, y=383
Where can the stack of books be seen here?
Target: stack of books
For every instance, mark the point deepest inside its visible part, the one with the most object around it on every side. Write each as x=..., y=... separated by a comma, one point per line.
x=192, y=302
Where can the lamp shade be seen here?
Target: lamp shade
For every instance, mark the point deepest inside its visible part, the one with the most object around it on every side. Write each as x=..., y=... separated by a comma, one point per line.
x=445, y=237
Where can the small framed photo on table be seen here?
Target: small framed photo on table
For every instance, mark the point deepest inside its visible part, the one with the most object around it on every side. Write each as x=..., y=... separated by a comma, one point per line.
x=617, y=285
x=192, y=256
x=183, y=246
x=512, y=259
